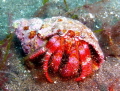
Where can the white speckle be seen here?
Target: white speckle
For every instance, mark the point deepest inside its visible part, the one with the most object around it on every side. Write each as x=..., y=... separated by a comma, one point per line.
x=83, y=77
x=55, y=82
x=97, y=74
x=116, y=64
x=91, y=15
x=97, y=26
x=107, y=48
x=4, y=0
x=48, y=53
x=111, y=12
x=55, y=1
x=87, y=61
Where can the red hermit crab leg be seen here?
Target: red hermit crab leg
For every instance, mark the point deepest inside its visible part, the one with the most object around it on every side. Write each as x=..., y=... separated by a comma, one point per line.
x=72, y=66
x=85, y=59
x=37, y=53
x=53, y=44
x=45, y=66
x=43, y=49
x=56, y=58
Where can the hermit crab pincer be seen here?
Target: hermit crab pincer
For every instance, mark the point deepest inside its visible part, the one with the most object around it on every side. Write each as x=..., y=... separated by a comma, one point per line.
x=69, y=47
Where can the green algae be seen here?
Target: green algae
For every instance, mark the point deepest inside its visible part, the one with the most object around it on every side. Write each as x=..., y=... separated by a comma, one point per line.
x=5, y=46
x=45, y=1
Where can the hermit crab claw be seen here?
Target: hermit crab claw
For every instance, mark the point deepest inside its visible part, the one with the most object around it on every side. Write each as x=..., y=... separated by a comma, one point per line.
x=67, y=46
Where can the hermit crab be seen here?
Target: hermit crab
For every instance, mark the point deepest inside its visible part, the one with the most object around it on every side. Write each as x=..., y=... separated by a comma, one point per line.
x=68, y=47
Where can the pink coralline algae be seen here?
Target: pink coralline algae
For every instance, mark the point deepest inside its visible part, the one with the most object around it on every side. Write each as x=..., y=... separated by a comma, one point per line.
x=68, y=47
